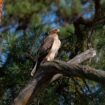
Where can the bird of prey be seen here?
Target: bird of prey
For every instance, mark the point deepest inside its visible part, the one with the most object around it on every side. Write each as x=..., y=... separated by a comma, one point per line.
x=48, y=49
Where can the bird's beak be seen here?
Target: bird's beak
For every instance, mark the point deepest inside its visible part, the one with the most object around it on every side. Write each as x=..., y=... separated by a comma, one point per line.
x=58, y=30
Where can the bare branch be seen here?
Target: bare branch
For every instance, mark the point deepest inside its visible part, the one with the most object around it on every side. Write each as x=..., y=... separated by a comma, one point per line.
x=53, y=70
x=83, y=56
x=90, y=53
x=77, y=70
x=48, y=70
x=33, y=88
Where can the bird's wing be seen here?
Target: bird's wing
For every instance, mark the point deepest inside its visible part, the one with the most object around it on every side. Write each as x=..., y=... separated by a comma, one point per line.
x=45, y=47
x=42, y=52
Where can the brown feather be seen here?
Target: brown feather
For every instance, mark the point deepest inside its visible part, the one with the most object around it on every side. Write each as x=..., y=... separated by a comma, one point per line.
x=45, y=48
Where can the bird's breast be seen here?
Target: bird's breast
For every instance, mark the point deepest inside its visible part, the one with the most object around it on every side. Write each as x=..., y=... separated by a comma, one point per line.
x=55, y=46
x=54, y=50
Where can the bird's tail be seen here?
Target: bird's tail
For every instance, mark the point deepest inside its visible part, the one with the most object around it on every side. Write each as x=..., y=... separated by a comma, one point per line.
x=34, y=69
x=37, y=65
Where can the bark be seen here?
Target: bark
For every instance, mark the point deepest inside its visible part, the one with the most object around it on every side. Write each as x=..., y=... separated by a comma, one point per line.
x=58, y=68
x=79, y=59
x=83, y=56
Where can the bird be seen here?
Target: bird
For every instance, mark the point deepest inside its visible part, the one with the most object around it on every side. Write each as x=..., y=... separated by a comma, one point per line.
x=48, y=49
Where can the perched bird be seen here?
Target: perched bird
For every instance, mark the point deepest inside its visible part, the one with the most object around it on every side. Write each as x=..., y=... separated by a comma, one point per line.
x=48, y=49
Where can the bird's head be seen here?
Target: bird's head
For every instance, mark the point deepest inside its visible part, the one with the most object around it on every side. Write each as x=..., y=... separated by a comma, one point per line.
x=54, y=31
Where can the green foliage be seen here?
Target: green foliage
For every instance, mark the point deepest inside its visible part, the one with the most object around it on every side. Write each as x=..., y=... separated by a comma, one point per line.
x=49, y=97
x=76, y=7
x=23, y=8
x=99, y=43
x=70, y=7
x=103, y=3
x=66, y=31
x=35, y=19
x=15, y=73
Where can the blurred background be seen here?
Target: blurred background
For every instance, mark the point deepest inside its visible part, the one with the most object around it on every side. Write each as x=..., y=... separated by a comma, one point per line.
x=23, y=27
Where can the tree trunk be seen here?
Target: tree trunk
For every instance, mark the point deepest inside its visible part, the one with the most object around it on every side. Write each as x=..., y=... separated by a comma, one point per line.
x=51, y=71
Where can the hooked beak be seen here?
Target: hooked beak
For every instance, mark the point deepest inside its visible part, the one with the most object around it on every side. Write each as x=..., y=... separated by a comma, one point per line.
x=58, y=30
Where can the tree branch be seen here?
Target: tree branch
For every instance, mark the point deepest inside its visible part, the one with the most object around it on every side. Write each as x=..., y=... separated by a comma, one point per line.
x=75, y=70
x=90, y=53
x=83, y=56
x=47, y=72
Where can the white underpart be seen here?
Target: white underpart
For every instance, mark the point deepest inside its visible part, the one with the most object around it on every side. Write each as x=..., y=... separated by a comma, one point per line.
x=54, y=50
